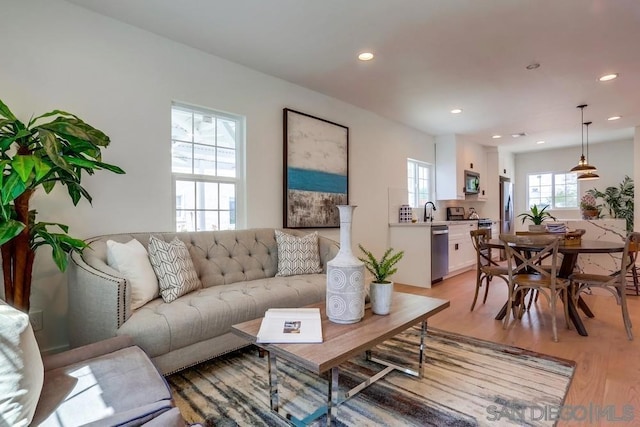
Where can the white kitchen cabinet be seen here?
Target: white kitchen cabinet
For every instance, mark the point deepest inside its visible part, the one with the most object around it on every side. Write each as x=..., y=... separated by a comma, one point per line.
x=453, y=157
x=462, y=254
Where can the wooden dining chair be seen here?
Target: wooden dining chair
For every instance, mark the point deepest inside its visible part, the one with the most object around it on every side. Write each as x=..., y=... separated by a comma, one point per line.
x=525, y=273
x=486, y=268
x=615, y=283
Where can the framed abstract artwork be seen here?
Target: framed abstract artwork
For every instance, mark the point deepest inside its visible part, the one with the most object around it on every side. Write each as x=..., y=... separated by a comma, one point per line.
x=316, y=170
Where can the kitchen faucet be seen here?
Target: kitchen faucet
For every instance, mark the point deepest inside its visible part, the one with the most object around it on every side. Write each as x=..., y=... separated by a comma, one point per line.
x=428, y=213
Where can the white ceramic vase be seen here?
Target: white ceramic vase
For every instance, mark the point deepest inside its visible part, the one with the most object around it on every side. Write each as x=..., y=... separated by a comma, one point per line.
x=380, y=294
x=345, y=277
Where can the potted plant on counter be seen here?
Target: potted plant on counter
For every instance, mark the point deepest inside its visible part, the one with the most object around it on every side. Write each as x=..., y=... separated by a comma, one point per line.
x=589, y=207
x=381, y=288
x=537, y=217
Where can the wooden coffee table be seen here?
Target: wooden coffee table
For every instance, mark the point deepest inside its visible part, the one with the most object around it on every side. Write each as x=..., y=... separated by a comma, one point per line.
x=343, y=342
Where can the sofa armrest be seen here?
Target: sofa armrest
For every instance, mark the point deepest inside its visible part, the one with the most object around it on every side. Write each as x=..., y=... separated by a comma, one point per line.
x=99, y=301
x=171, y=418
x=86, y=352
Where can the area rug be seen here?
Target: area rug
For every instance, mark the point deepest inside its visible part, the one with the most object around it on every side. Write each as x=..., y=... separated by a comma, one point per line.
x=467, y=382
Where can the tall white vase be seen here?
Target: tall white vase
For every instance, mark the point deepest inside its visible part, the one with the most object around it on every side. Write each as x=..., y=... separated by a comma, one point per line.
x=345, y=277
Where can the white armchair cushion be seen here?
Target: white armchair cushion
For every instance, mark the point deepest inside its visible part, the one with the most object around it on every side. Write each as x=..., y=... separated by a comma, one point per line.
x=297, y=255
x=21, y=369
x=132, y=260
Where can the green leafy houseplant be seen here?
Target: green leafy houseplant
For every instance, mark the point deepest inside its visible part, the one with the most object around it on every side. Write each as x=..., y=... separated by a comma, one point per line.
x=383, y=268
x=536, y=216
x=618, y=201
x=41, y=154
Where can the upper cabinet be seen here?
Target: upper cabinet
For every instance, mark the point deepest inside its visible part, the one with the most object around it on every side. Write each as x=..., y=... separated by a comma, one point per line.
x=506, y=164
x=454, y=156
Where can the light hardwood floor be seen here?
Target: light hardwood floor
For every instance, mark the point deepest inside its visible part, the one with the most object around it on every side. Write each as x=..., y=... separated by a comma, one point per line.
x=608, y=364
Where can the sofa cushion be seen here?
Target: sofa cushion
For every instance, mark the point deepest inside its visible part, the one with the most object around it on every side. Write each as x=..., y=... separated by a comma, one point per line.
x=173, y=266
x=159, y=327
x=297, y=255
x=21, y=369
x=132, y=260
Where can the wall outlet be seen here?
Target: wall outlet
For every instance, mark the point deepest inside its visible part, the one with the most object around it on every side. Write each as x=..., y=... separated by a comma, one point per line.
x=35, y=317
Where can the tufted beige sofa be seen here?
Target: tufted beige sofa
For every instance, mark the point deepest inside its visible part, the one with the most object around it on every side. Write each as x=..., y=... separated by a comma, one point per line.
x=237, y=270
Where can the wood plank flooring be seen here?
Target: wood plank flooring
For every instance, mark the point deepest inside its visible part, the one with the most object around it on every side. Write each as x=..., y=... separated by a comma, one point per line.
x=608, y=364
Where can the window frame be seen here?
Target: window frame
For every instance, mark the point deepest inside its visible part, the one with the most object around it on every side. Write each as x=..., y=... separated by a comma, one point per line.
x=416, y=165
x=238, y=180
x=553, y=205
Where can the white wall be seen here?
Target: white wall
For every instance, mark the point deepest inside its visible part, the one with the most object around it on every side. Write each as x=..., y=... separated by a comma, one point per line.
x=614, y=160
x=122, y=80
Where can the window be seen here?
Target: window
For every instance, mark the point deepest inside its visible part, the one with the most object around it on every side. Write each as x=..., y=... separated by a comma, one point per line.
x=206, y=168
x=557, y=190
x=419, y=182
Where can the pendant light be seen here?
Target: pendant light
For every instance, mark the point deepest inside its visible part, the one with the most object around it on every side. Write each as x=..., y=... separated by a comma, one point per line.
x=583, y=165
x=590, y=174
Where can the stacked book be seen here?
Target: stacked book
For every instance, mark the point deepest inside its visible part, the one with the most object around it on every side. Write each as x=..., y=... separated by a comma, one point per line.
x=556, y=227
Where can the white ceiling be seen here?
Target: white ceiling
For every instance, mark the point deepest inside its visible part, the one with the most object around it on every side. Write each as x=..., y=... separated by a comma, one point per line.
x=431, y=56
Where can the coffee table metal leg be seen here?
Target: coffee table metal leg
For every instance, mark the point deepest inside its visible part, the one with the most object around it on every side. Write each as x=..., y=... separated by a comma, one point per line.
x=273, y=381
x=423, y=335
x=333, y=398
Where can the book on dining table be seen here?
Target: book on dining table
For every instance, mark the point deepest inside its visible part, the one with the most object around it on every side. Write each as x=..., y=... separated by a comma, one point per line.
x=291, y=325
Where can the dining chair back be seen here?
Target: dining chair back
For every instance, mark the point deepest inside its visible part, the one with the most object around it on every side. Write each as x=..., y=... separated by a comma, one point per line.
x=525, y=273
x=486, y=267
x=615, y=283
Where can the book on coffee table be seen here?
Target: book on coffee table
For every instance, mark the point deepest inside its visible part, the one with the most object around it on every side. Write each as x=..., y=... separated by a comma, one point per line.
x=291, y=325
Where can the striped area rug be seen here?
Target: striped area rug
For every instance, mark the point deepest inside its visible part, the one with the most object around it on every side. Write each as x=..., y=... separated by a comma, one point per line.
x=467, y=382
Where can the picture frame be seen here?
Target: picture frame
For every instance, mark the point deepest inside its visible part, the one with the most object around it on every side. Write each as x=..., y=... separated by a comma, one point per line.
x=316, y=170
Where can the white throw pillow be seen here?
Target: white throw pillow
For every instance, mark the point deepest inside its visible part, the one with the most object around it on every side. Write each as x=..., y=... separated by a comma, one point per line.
x=132, y=260
x=297, y=255
x=174, y=267
x=21, y=369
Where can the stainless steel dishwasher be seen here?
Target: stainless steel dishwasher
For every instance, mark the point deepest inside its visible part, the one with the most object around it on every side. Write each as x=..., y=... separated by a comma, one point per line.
x=439, y=252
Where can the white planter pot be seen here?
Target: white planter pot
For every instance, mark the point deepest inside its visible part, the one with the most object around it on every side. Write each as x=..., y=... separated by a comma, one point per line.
x=380, y=294
x=345, y=277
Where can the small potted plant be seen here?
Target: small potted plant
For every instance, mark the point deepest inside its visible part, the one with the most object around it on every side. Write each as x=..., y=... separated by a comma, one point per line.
x=381, y=288
x=589, y=207
x=537, y=217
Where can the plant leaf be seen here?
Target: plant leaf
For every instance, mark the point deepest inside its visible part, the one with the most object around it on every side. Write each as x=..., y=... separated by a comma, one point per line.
x=6, y=112
x=9, y=229
x=23, y=165
x=53, y=148
x=12, y=188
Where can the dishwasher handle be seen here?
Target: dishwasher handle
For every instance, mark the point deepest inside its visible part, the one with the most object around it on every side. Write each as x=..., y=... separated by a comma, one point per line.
x=436, y=232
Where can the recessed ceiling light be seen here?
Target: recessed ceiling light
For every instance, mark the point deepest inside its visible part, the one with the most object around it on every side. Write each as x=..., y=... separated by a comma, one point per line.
x=612, y=118
x=496, y=136
x=540, y=142
x=518, y=135
x=365, y=56
x=456, y=111
x=608, y=77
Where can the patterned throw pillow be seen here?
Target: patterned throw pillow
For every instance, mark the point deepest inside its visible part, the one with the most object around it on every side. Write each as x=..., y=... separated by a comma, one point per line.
x=298, y=255
x=173, y=266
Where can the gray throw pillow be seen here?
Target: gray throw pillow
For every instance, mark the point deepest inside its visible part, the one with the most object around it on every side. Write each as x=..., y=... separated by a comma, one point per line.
x=173, y=265
x=297, y=255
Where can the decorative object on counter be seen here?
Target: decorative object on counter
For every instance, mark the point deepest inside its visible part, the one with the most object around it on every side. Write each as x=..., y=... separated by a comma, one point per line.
x=589, y=207
x=345, y=276
x=618, y=201
x=381, y=288
x=583, y=165
x=537, y=216
x=406, y=213
x=473, y=214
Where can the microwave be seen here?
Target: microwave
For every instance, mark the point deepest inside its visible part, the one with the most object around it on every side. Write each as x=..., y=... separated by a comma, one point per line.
x=471, y=182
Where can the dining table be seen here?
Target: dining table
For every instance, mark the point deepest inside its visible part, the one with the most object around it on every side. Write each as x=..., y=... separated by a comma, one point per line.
x=570, y=253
